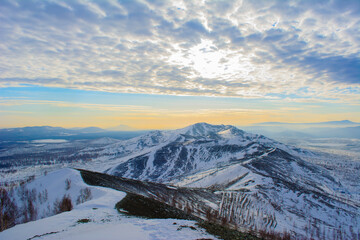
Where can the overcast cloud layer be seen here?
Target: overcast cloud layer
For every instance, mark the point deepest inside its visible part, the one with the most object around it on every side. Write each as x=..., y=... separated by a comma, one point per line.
x=297, y=50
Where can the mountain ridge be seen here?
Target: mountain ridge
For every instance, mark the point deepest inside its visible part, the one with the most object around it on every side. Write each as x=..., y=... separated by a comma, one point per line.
x=241, y=166
x=341, y=122
x=189, y=142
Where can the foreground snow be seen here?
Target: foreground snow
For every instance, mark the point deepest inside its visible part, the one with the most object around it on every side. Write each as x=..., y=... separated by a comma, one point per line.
x=104, y=221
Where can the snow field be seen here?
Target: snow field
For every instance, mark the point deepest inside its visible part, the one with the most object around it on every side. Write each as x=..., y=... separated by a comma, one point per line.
x=96, y=218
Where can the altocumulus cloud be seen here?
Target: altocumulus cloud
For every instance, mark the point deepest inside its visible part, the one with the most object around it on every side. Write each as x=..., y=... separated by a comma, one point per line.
x=211, y=48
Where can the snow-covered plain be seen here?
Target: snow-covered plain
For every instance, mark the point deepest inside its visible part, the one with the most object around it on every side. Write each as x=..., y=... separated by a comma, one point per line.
x=104, y=221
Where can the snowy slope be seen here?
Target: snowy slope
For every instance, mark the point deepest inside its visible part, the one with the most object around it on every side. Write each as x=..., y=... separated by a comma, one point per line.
x=46, y=190
x=104, y=220
x=296, y=205
x=264, y=184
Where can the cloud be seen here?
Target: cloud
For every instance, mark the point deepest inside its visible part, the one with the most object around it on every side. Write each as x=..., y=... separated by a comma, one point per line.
x=104, y=107
x=249, y=49
x=17, y=81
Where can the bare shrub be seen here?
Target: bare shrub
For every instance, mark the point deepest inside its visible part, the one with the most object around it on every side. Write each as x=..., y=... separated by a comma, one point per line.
x=30, y=178
x=271, y=235
x=210, y=215
x=67, y=184
x=31, y=210
x=188, y=209
x=224, y=221
x=8, y=211
x=85, y=195
x=64, y=205
x=45, y=195
x=40, y=198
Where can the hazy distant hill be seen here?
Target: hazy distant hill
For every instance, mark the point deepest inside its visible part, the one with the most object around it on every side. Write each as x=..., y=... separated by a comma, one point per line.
x=47, y=132
x=339, y=123
x=333, y=129
x=89, y=129
x=121, y=127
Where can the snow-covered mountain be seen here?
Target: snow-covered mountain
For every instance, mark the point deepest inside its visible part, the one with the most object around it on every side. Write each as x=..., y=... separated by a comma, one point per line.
x=264, y=184
x=165, y=155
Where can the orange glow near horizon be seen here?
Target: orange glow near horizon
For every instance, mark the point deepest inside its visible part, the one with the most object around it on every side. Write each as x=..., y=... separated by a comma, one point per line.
x=166, y=119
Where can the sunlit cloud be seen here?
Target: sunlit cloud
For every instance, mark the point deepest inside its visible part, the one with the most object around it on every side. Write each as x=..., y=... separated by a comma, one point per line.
x=246, y=49
x=104, y=107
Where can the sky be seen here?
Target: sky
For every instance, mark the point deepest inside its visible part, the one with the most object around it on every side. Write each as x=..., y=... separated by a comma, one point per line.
x=160, y=64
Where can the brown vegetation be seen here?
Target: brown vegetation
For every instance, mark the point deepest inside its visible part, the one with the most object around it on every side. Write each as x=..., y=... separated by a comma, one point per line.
x=64, y=205
x=8, y=210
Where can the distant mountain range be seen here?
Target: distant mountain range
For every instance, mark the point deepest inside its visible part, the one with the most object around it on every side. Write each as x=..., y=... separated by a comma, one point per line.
x=331, y=129
x=338, y=123
x=89, y=129
x=121, y=127
x=47, y=132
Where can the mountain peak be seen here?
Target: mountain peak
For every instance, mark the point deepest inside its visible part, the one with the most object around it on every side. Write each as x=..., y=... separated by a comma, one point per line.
x=203, y=125
x=203, y=129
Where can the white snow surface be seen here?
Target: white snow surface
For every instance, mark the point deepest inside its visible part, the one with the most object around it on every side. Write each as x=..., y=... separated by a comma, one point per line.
x=105, y=221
